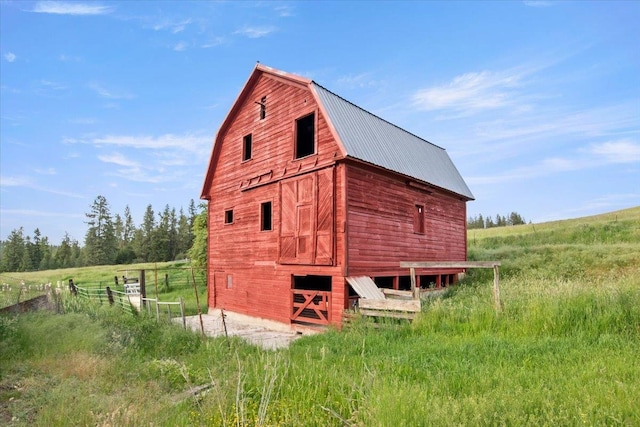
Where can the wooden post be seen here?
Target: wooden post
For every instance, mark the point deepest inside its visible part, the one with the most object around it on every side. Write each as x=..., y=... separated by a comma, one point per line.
x=143, y=289
x=195, y=288
x=155, y=270
x=166, y=281
x=414, y=288
x=184, y=319
x=496, y=289
x=110, y=294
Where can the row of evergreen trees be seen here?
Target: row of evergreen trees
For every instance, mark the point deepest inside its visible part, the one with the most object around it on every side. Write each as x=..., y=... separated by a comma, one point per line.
x=479, y=221
x=110, y=239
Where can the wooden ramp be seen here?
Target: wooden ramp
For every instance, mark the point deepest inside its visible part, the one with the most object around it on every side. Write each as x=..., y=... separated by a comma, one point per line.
x=383, y=302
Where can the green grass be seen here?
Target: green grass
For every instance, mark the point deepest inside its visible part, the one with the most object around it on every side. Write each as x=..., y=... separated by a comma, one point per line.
x=563, y=351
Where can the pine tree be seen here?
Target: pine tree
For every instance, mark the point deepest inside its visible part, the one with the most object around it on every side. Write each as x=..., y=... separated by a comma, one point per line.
x=198, y=252
x=13, y=251
x=63, y=256
x=100, y=240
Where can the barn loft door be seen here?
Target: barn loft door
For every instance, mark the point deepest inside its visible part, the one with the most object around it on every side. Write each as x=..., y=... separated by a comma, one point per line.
x=306, y=230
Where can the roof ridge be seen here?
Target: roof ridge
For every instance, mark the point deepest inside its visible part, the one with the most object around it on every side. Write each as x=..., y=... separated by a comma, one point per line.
x=376, y=116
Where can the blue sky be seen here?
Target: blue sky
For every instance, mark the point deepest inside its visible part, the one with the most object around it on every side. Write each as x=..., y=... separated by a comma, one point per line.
x=537, y=102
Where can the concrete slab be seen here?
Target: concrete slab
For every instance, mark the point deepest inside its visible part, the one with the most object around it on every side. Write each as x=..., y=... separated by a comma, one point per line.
x=267, y=334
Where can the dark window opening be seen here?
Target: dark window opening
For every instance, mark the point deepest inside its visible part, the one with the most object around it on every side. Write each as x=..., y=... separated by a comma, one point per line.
x=428, y=282
x=265, y=216
x=384, y=282
x=246, y=147
x=418, y=219
x=228, y=216
x=263, y=107
x=312, y=283
x=404, y=283
x=305, y=136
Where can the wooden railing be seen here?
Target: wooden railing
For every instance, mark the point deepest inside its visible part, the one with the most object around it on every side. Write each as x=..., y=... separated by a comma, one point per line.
x=311, y=306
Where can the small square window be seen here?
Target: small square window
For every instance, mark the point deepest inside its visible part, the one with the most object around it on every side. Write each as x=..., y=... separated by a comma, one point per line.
x=246, y=147
x=418, y=219
x=265, y=216
x=228, y=216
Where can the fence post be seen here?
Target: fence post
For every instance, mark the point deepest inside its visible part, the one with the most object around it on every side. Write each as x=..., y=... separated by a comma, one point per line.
x=184, y=319
x=72, y=288
x=157, y=310
x=143, y=289
x=110, y=295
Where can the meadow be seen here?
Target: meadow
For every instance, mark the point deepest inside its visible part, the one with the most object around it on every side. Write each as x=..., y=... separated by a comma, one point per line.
x=563, y=351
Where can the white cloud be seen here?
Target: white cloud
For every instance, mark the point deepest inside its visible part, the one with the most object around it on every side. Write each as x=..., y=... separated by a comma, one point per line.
x=48, y=171
x=26, y=182
x=596, y=155
x=70, y=8
x=46, y=213
x=191, y=143
x=362, y=80
x=621, y=151
x=10, y=57
x=174, y=27
x=109, y=93
x=181, y=46
x=255, y=32
x=120, y=160
x=470, y=92
x=537, y=3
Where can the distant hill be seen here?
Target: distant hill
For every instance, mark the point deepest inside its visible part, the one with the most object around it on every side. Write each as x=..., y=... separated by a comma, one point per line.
x=600, y=245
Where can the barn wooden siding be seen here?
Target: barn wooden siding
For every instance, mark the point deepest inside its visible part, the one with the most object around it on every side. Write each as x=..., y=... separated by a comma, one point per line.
x=247, y=271
x=381, y=224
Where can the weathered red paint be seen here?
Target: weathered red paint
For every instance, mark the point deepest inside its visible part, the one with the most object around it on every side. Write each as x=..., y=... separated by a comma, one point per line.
x=332, y=216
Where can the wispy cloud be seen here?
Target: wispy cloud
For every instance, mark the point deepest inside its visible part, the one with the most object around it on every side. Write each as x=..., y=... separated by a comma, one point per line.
x=621, y=151
x=69, y=58
x=255, y=32
x=45, y=213
x=120, y=160
x=109, y=93
x=538, y=3
x=191, y=143
x=173, y=26
x=71, y=8
x=472, y=92
x=48, y=171
x=10, y=57
x=180, y=46
x=362, y=80
x=26, y=182
x=594, y=156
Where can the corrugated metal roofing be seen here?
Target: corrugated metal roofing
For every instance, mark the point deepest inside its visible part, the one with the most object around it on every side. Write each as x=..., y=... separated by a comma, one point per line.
x=366, y=288
x=367, y=137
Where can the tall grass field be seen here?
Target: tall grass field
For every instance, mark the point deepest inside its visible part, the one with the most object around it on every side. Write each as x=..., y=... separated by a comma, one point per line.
x=564, y=351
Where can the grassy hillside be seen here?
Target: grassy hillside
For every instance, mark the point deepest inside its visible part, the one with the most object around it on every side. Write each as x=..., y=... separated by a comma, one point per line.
x=563, y=352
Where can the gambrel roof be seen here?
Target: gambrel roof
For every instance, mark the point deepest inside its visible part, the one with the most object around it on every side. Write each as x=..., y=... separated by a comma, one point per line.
x=368, y=138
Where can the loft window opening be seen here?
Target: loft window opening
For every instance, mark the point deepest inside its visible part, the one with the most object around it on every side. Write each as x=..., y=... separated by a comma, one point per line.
x=312, y=283
x=246, y=147
x=263, y=107
x=305, y=136
x=228, y=216
x=418, y=219
x=266, y=216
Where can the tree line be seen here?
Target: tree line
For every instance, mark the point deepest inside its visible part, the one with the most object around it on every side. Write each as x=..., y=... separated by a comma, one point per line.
x=480, y=221
x=112, y=239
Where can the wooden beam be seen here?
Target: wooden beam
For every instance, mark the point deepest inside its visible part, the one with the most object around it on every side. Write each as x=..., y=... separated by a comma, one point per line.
x=449, y=264
x=390, y=304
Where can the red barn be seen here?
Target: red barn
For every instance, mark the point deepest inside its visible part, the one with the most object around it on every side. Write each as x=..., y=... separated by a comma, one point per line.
x=306, y=189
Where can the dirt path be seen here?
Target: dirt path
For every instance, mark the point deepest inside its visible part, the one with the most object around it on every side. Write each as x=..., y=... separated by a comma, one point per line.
x=267, y=334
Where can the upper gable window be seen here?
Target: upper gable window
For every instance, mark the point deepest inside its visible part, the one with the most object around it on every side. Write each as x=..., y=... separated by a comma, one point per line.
x=246, y=147
x=305, y=136
x=263, y=107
